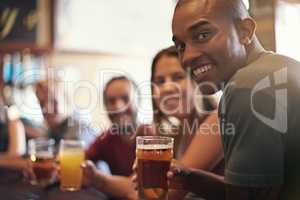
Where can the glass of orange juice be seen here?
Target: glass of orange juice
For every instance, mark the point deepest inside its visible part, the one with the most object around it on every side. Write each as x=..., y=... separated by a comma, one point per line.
x=71, y=155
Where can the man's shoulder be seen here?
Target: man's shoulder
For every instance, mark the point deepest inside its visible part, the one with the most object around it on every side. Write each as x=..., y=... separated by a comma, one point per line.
x=270, y=61
x=270, y=66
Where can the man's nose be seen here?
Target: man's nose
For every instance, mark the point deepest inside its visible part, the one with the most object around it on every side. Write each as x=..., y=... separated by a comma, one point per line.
x=120, y=105
x=189, y=55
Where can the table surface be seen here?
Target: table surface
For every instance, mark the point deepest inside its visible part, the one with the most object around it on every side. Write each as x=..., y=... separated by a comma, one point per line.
x=13, y=187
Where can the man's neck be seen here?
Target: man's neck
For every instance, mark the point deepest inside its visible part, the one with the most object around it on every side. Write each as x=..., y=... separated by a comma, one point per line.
x=126, y=133
x=254, y=51
x=129, y=139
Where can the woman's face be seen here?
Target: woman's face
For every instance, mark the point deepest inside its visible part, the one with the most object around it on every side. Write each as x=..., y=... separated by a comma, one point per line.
x=172, y=89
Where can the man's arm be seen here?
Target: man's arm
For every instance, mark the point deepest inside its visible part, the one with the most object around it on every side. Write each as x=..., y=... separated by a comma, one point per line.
x=112, y=185
x=205, y=184
x=236, y=193
x=115, y=186
x=213, y=187
x=204, y=152
x=17, y=142
x=16, y=133
x=10, y=162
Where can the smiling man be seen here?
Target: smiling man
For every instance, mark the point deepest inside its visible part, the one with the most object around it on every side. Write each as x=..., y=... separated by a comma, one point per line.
x=217, y=45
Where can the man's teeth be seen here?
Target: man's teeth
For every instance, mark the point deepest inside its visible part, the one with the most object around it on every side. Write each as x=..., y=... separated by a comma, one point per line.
x=201, y=70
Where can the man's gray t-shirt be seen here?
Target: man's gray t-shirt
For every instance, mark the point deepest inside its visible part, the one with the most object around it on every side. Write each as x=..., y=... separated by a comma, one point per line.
x=260, y=122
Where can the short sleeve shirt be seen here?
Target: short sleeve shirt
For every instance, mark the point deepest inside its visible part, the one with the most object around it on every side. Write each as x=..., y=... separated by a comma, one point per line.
x=259, y=115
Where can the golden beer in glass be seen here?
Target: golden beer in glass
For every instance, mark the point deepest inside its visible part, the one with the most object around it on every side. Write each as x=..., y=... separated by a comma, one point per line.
x=154, y=155
x=71, y=155
x=42, y=157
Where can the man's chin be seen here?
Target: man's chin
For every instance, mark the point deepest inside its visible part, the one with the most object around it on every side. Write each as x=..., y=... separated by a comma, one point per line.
x=207, y=86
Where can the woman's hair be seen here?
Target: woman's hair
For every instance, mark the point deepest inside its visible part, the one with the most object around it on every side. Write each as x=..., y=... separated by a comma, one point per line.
x=158, y=115
x=169, y=52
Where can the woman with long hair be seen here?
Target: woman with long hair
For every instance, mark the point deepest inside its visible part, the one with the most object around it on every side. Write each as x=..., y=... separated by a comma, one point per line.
x=182, y=112
x=179, y=108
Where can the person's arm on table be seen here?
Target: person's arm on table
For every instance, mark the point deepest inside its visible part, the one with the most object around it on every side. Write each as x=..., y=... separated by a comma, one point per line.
x=12, y=158
x=112, y=185
x=9, y=162
x=17, y=143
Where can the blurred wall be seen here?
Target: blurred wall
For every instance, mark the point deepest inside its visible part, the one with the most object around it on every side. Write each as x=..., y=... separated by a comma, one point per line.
x=84, y=75
x=263, y=12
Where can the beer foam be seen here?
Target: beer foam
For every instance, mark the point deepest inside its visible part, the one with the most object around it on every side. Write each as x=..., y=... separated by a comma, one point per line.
x=44, y=154
x=154, y=146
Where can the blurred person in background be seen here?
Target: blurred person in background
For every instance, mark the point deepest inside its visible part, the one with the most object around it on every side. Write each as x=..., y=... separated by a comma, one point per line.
x=57, y=125
x=60, y=125
x=116, y=146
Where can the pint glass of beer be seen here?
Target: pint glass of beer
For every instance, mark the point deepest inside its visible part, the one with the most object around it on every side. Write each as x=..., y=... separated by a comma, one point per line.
x=154, y=155
x=71, y=155
x=42, y=156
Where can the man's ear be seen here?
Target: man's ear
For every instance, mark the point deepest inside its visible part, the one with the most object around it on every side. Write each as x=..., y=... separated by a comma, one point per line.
x=246, y=30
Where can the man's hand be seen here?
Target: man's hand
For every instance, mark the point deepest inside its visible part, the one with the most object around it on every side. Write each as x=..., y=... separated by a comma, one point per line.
x=134, y=177
x=89, y=172
x=178, y=176
x=30, y=176
x=28, y=171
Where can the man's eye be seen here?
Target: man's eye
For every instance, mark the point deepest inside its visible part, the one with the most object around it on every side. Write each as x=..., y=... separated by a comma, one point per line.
x=203, y=36
x=125, y=99
x=159, y=81
x=110, y=100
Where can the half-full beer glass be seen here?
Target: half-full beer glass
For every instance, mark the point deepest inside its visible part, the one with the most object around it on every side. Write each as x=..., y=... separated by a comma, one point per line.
x=71, y=155
x=154, y=155
x=42, y=157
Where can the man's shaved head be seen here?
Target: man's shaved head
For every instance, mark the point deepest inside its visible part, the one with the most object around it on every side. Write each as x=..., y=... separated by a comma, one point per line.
x=234, y=8
x=215, y=35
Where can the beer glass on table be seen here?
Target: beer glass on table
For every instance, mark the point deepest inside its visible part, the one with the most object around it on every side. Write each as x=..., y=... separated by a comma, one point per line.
x=154, y=155
x=42, y=157
x=71, y=155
